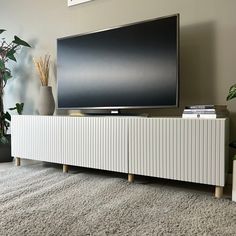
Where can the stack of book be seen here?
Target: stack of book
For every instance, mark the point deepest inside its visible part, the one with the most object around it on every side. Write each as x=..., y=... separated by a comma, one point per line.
x=205, y=111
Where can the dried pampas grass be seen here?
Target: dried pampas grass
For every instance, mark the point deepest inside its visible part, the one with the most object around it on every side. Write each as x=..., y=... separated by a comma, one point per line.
x=42, y=66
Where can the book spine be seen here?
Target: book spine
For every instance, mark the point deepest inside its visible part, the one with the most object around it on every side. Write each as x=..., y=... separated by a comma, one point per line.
x=220, y=107
x=206, y=116
x=207, y=111
x=200, y=107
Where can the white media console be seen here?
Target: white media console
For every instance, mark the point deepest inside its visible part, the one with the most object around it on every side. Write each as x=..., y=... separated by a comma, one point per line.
x=193, y=150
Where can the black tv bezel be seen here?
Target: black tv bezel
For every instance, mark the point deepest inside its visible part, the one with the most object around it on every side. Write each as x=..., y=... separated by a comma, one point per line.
x=131, y=107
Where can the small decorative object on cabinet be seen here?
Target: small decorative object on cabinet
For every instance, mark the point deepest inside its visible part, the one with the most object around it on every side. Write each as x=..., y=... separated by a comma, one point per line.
x=8, y=52
x=46, y=103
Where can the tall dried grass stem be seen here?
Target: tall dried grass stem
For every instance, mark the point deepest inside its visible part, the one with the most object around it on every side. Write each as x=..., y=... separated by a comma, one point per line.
x=42, y=65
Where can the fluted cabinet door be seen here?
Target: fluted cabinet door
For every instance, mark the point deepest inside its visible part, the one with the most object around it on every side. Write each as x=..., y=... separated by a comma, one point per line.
x=37, y=138
x=193, y=150
x=96, y=142
x=182, y=149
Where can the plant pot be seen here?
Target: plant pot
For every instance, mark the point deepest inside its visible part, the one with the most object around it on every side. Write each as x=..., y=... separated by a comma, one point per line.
x=46, y=105
x=5, y=151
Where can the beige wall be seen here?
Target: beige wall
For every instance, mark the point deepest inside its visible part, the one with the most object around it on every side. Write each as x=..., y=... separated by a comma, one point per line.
x=208, y=36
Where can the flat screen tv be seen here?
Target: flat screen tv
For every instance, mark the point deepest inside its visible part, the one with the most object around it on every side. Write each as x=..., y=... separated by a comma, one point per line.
x=131, y=66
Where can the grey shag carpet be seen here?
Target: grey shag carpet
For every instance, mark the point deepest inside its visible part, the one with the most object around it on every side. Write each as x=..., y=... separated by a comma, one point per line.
x=41, y=200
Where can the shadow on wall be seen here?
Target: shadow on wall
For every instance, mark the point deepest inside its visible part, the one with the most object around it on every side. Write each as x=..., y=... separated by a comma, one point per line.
x=197, y=68
x=24, y=87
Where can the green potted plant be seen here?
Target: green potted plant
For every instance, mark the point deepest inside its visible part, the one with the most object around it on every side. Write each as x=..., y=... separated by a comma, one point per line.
x=231, y=95
x=232, y=92
x=7, y=52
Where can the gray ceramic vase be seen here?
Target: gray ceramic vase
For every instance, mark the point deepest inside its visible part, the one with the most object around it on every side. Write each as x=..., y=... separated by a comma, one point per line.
x=46, y=105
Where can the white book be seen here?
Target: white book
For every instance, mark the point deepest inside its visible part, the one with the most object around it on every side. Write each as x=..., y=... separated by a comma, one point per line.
x=219, y=107
x=202, y=116
x=206, y=111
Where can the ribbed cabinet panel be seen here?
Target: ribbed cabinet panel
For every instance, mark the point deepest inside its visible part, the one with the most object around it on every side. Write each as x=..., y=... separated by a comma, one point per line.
x=95, y=142
x=182, y=149
x=192, y=150
x=98, y=142
x=37, y=138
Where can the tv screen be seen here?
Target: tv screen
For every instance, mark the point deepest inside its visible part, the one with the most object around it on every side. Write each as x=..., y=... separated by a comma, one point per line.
x=132, y=66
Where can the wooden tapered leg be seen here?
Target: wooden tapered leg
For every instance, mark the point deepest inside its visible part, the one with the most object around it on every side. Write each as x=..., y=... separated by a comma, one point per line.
x=17, y=161
x=218, y=192
x=65, y=168
x=130, y=178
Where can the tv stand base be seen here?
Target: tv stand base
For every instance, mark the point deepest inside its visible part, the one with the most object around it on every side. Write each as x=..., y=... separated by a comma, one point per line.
x=191, y=150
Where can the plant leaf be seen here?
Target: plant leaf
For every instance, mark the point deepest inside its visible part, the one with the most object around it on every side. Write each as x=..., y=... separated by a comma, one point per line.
x=7, y=116
x=10, y=54
x=2, y=65
x=6, y=124
x=2, y=30
x=6, y=76
x=1, y=50
x=232, y=92
x=19, y=107
x=3, y=139
x=19, y=41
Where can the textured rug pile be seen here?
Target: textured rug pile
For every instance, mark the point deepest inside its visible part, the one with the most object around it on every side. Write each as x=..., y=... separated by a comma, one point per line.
x=41, y=200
